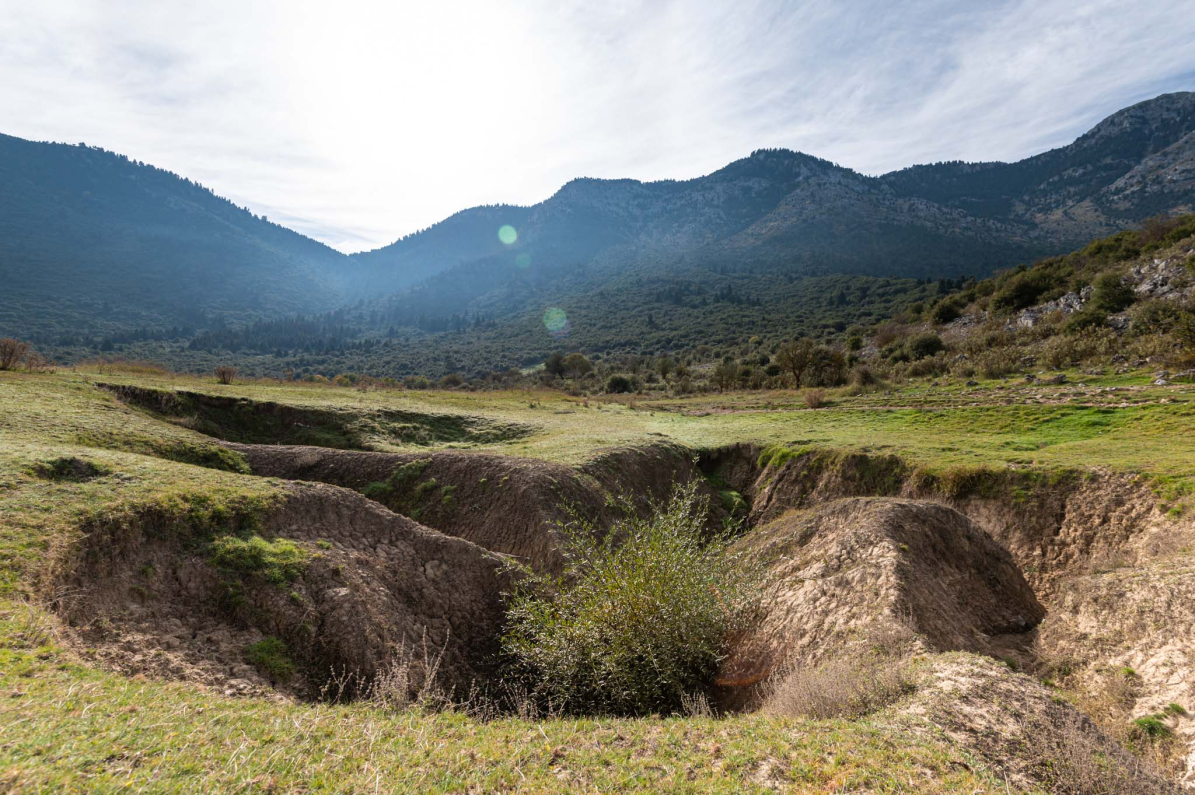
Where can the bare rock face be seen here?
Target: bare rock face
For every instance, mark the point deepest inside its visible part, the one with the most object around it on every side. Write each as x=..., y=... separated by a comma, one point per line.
x=853, y=566
x=374, y=587
x=1165, y=278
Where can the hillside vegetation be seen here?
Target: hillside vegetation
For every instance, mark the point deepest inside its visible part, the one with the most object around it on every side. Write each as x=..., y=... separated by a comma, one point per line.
x=141, y=263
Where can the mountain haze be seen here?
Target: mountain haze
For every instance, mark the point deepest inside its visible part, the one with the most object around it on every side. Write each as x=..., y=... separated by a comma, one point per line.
x=92, y=243
x=813, y=216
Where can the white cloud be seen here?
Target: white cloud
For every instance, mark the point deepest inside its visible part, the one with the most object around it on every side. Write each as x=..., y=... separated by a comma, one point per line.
x=359, y=122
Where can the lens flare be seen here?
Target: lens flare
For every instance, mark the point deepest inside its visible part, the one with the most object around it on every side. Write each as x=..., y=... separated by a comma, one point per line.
x=507, y=234
x=556, y=321
x=523, y=261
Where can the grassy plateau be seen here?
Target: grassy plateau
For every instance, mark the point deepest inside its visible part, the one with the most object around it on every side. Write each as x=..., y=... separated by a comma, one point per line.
x=66, y=726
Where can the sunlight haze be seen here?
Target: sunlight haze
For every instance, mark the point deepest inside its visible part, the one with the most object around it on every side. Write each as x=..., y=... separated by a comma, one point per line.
x=357, y=123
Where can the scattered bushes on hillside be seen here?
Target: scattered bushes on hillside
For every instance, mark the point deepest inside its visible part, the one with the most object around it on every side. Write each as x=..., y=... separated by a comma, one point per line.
x=1184, y=329
x=640, y=617
x=914, y=348
x=1155, y=316
x=1084, y=320
x=944, y=311
x=1027, y=287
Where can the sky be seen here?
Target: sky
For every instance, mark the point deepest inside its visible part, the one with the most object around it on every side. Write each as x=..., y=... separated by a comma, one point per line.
x=359, y=122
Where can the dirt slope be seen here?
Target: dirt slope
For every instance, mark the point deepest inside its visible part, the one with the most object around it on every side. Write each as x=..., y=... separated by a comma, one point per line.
x=853, y=565
x=1034, y=739
x=239, y=419
x=505, y=504
x=1053, y=525
x=1110, y=565
x=1125, y=637
x=147, y=595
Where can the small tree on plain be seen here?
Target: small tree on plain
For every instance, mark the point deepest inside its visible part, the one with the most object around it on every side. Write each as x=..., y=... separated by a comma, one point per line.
x=554, y=364
x=664, y=366
x=11, y=352
x=577, y=365
x=225, y=373
x=726, y=375
x=795, y=358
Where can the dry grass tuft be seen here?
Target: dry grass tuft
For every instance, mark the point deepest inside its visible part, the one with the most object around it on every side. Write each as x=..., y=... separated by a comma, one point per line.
x=410, y=681
x=853, y=684
x=1072, y=759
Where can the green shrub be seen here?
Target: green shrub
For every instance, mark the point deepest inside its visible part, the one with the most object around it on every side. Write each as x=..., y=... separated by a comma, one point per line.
x=1149, y=727
x=618, y=384
x=775, y=456
x=1155, y=316
x=1184, y=329
x=639, y=618
x=924, y=345
x=1025, y=288
x=402, y=474
x=1084, y=319
x=733, y=502
x=70, y=468
x=1114, y=248
x=944, y=311
x=271, y=657
x=1111, y=294
x=278, y=561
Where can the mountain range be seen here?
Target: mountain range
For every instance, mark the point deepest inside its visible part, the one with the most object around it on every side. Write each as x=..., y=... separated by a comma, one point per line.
x=93, y=243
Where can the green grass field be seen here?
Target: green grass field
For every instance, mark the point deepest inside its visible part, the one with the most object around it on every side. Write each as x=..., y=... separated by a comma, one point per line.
x=65, y=727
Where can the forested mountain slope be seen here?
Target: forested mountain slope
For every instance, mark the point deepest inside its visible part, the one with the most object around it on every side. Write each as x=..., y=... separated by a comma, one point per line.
x=95, y=247
x=91, y=240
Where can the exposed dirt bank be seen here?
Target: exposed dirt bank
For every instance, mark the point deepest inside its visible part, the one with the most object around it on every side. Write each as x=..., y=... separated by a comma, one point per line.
x=1054, y=524
x=1025, y=731
x=263, y=422
x=839, y=573
x=148, y=593
x=505, y=504
x=1111, y=567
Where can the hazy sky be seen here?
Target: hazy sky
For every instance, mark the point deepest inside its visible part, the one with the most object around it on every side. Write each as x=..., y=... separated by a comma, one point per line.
x=358, y=122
